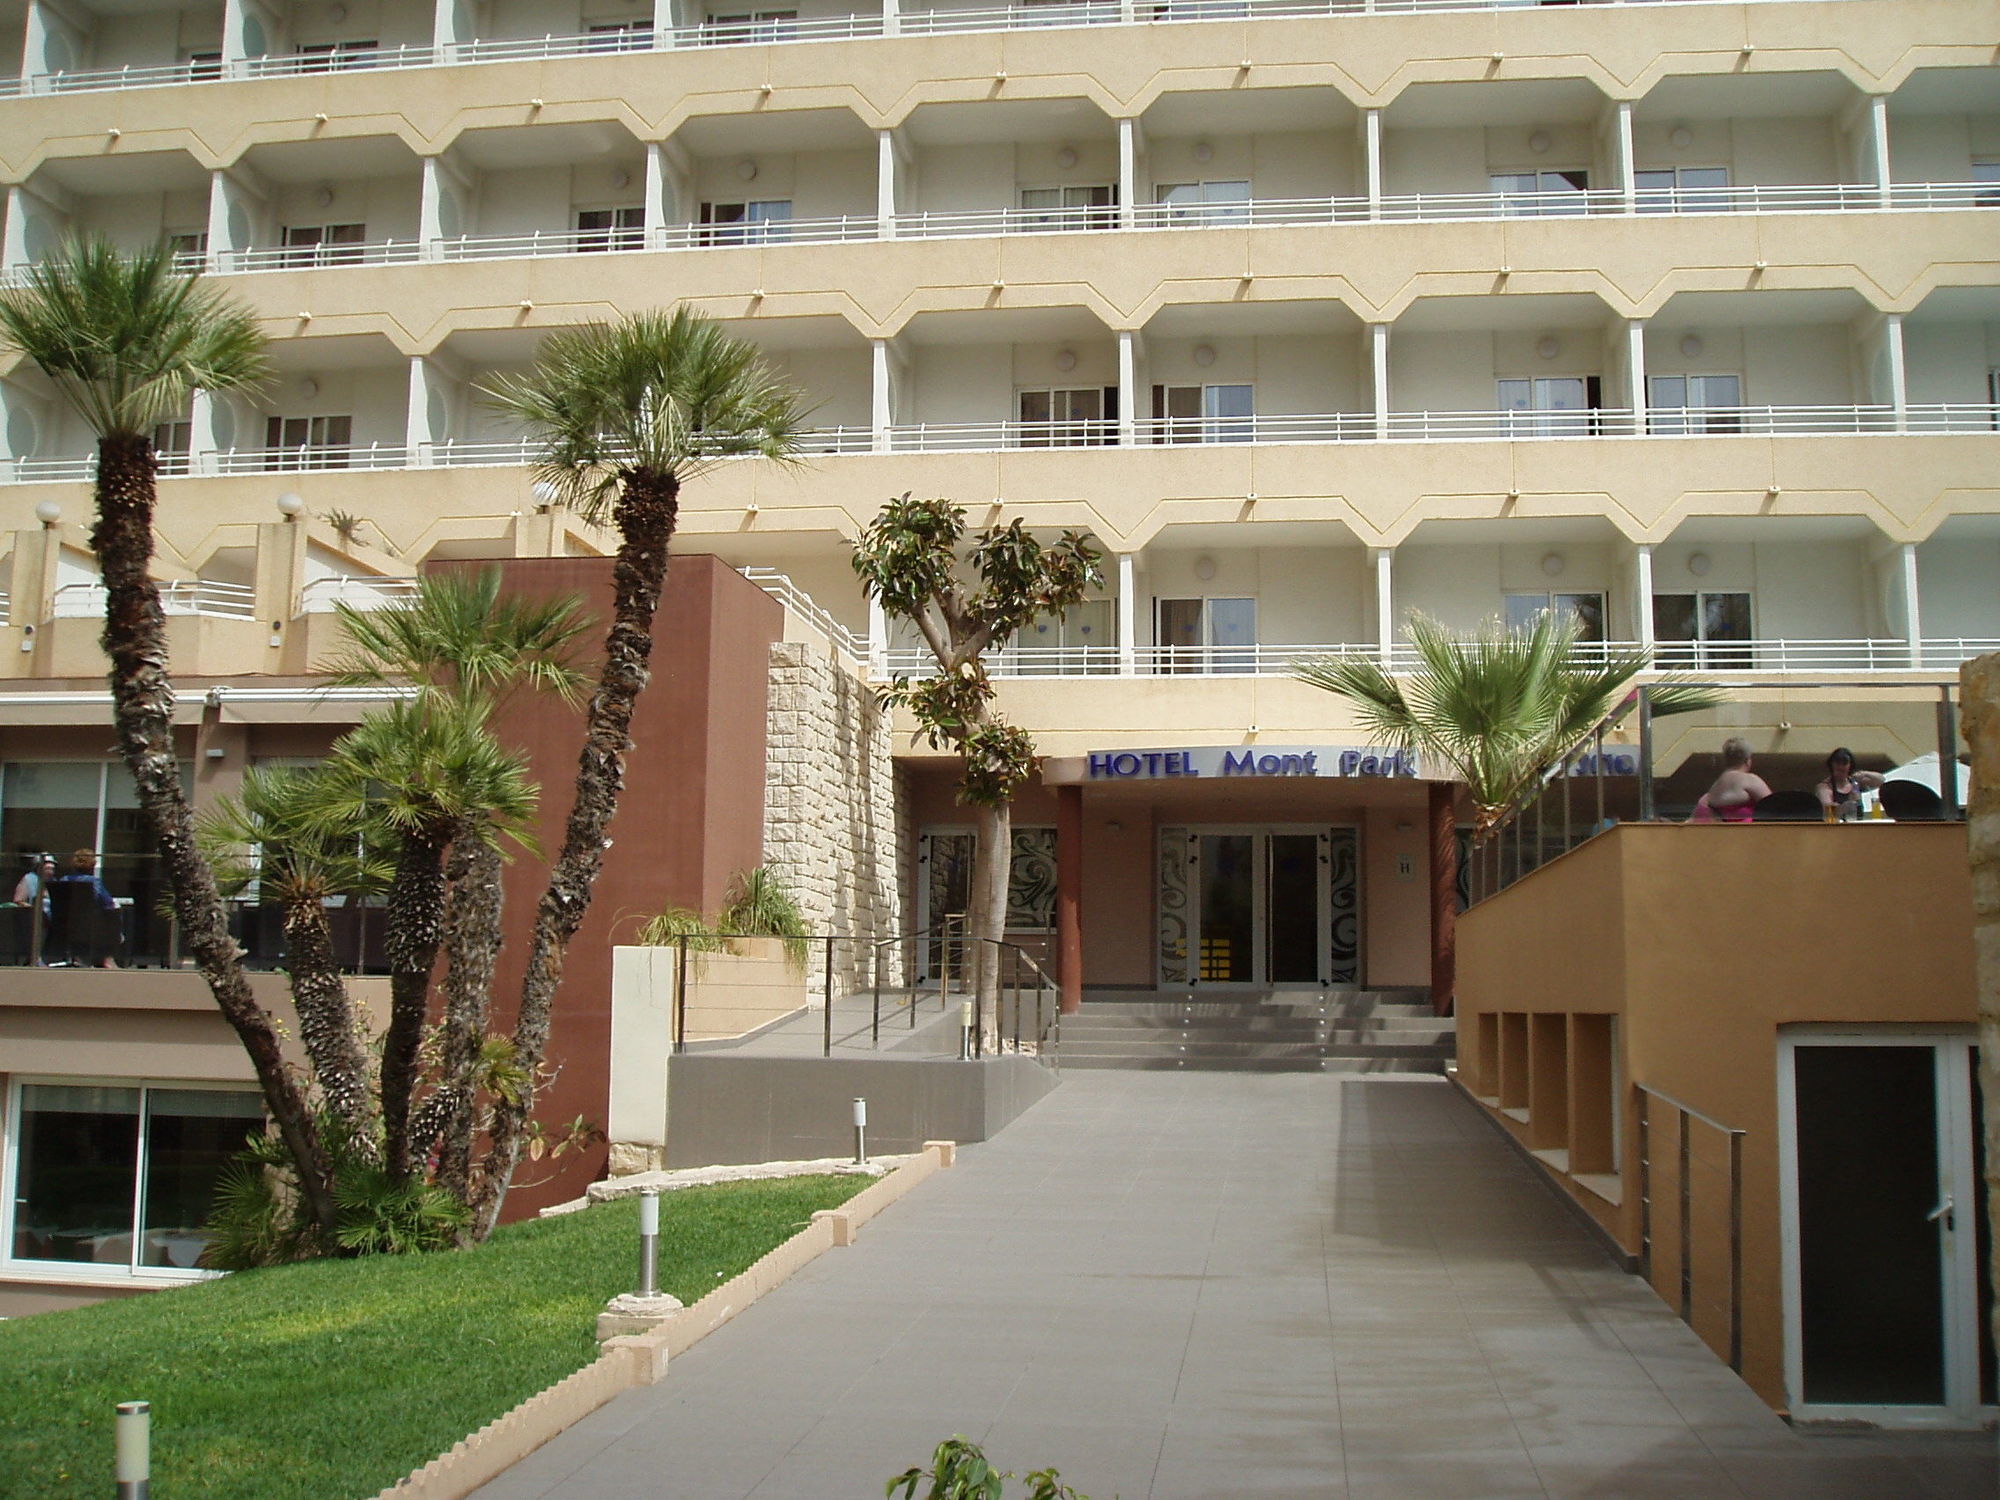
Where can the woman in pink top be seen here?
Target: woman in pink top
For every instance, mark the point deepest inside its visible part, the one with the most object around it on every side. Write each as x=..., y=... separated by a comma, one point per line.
x=1738, y=789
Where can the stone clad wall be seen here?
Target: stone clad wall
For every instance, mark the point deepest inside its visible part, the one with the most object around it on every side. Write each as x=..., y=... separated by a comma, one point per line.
x=833, y=823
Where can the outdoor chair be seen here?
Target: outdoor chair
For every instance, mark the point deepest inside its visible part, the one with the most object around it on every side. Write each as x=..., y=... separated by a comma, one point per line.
x=1787, y=807
x=1911, y=802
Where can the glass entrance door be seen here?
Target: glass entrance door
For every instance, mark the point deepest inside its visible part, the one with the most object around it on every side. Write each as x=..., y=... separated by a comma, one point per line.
x=1262, y=912
x=1885, y=1252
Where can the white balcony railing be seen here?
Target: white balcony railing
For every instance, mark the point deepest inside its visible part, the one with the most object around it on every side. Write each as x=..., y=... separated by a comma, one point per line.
x=199, y=596
x=286, y=460
x=315, y=257
x=1761, y=656
x=795, y=599
x=323, y=595
x=292, y=64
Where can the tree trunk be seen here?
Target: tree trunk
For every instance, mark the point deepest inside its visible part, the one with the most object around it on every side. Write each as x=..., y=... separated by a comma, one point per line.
x=1443, y=797
x=648, y=506
x=992, y=857
x=410, y=942
x=472, y=946
x=326, y=1021
x=1979, y=704
x=142, y=705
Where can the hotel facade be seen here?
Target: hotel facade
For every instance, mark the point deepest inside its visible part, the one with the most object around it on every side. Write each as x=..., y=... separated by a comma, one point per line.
x=1681, y=317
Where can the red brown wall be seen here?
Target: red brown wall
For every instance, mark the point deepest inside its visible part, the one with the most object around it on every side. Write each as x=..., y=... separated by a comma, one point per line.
x=692, y=812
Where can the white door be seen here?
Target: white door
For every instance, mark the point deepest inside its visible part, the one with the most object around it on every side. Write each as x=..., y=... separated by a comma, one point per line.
x=1885, y=1242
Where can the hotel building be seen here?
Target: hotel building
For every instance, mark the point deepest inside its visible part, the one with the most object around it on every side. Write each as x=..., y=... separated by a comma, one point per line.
x=1683, y=317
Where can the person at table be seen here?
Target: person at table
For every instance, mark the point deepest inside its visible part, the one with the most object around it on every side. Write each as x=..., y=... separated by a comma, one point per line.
x=33, y=889
x=1738, y=789
x=92, y=931
x=31, y=895
x=1841, y=790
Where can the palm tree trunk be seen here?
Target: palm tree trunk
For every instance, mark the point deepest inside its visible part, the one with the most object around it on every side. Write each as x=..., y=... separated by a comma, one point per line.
x=1979, y=705
x=142, y=706
x=648, y=507
x=472, y=946
x=326, y=1021
x=410, y=942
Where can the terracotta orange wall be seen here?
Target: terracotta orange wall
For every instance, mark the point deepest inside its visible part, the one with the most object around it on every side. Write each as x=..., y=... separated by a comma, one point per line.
x=1704, y=941
x=692, y=812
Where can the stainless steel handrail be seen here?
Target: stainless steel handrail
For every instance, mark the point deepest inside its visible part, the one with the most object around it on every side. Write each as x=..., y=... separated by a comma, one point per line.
x=1734, y=1135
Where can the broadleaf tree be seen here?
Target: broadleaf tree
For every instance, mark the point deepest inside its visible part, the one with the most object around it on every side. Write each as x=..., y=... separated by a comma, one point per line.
x=966, y=598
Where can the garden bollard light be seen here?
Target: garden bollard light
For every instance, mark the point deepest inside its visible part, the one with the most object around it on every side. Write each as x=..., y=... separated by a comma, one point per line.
x=649, y=1244
x=964, y=1029
x=860, y=1132
x=135, y=1450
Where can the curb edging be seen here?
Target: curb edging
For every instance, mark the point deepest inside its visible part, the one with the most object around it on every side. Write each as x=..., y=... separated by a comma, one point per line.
x=635, y=1360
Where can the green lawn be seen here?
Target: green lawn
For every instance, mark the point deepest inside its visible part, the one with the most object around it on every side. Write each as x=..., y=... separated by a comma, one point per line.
x=332, y=1380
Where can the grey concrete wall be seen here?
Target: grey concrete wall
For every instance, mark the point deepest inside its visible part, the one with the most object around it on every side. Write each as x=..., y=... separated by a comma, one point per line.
x=725, y=1108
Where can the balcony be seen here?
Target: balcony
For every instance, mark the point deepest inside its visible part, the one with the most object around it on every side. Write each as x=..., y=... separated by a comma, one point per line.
x=201, y=596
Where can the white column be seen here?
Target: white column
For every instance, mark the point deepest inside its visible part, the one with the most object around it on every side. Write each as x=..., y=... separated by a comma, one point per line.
x=1384, y=559
x=218, y=219
x=892, y=18
x=1913, y=624
x=657, y=195
x=1128, y=172
x=245, y=34
x=211, y=431
x=429, y=420
x=1878, y=145
x=14, y=238
x=878, y=639
x=1378, y=351
x=1628, y=172
x=1371, y=147
x=450, y=25
x=1899, y=386
x=882, y=395
x=1128, y=615
x=1128, y=387
x=1642, y=593
x=664, y=23
x=885, y=184
x=431, y=210
x=35, y=46
x=1635, y=370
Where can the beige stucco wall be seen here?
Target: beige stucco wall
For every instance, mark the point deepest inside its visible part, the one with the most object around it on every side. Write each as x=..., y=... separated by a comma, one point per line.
x=1704, y=942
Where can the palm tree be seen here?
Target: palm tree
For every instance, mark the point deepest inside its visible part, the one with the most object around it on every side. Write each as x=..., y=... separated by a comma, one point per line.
x=460, y=636
x=289, y=831
x=126, y=341
x=627, y=413
x=1497, y=707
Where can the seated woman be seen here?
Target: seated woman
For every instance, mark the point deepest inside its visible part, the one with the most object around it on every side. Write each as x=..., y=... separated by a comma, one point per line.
x=1738, y=789
x=1841, y=790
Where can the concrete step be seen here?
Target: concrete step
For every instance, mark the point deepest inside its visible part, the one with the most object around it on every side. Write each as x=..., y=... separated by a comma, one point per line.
x=1274, y=1031
x=1258, y=1065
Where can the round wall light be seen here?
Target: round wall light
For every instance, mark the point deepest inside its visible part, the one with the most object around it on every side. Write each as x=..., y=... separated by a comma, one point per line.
x=1548, y=346
x=621, y=178
x=747, y=170
x=308, y=388
x=1680, y=137
x=323, y=196
x=1204, y=355
x=1066, y=359
x=1203, y=151
x=1552, y=564
x=1538, y=141
x=1204, y=567
x=1066, y=157
x=1691, y=345
x=1699, y=563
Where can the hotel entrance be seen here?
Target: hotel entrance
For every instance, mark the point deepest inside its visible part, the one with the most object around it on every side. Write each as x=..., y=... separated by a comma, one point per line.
x=1259, y=906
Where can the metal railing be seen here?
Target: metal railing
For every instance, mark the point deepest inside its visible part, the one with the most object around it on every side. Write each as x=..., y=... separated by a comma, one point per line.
x=305, y=456
x=795, y=599
x=945, y=954
x=324, y=595
x=315, y=257
x=1684, y=1218
x=197, y=596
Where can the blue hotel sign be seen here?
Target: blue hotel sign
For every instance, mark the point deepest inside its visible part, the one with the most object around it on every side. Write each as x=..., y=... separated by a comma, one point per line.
x=1236, y=761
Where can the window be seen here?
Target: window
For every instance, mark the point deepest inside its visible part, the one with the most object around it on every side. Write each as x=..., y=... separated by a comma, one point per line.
x=120, y=1177
x=1989, y=177
x=324, y=244
x=189, y=250
x=1694, y=403
x=1694, y=630
x=745, y=223
x=331, y=57
x=1077, y=418
x=1225, y=202
x=750, y=26
x=1550, y=406
x=172, y=443
x=1084, y=638
x=618, y=36
x=1207, y=635
x=203, y=66
x=1553, y=192
x=1523, y=609
x=1203, y=414
x=1681, y=190
x=57, y=806
x=308, y=442
x=610, y=228
x=1089, y=207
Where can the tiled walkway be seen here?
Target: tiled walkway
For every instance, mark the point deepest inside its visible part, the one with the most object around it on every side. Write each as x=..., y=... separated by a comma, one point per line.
x=1221, y=1286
